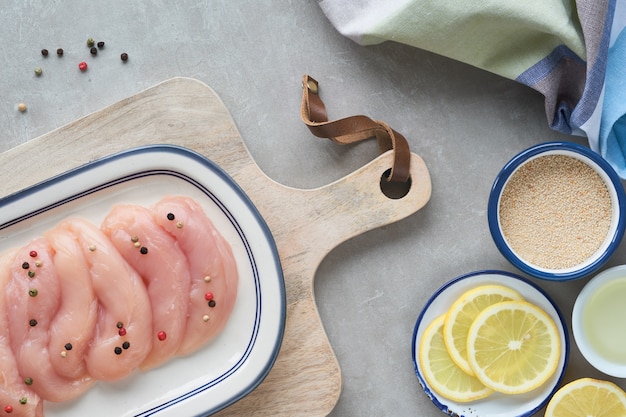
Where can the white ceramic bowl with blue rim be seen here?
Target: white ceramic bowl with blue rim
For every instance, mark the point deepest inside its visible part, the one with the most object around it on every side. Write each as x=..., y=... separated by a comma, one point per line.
x=603, y=362
x=618, y=202
x=496, y=405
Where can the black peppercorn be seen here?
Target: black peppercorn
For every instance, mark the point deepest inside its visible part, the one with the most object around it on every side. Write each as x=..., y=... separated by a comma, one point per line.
x=212, y=303
x=118, y=350
x=68, y=346
x=126, y=345
x=100, y=45
x=143, y=250
x=25, y=265
x=60, y=52
x=124, y=57
x=94, y=51
x=44, y=52
x=32, y=322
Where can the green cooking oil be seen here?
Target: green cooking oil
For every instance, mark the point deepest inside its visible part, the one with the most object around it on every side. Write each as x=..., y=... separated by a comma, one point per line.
x=604, y=319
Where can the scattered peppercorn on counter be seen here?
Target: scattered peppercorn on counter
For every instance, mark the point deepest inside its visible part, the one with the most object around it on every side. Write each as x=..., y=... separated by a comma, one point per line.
x=82, y=65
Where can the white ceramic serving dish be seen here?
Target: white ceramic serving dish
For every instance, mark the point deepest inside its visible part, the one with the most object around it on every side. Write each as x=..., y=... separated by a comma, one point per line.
x=597, y=359
x=241, y=356
x=496, y=405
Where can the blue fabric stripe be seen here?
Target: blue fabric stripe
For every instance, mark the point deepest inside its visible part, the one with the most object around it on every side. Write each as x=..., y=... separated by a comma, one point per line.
x=596, y=75
x=543, y=68
x=567, y=119
x=613, y=126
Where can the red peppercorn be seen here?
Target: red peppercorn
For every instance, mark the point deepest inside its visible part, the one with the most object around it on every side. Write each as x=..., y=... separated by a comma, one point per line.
x=8, y=409
x=161, y=335
x=82, y=66
x=33, y=253
x=122, y=331
x=208, y=296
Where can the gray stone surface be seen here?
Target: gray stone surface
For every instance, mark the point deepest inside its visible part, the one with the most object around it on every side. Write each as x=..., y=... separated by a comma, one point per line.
x=464, y=122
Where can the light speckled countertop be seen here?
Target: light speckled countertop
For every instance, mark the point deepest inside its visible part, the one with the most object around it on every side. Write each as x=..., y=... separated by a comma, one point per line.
x=465, y=123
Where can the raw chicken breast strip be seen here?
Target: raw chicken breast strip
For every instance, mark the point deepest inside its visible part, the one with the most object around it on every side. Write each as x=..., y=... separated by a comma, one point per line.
x=33, y=297
x=73, y=327
x=162, y=265
x=15, y=396
x=122, y=338
x=214, y=276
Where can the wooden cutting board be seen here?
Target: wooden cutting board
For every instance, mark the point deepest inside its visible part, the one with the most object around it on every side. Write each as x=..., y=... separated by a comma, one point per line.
x=306, y=224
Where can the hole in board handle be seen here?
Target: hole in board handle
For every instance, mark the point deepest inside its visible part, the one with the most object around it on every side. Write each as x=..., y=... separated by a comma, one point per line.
x=394, y=190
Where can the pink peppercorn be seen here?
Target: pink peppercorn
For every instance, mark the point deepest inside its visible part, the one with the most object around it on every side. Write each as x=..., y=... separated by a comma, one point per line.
x=82, y=66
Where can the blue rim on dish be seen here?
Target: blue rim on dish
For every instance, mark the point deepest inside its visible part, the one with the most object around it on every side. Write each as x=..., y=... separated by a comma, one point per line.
x=472, y=408
x=127, y=160
x=505, y=174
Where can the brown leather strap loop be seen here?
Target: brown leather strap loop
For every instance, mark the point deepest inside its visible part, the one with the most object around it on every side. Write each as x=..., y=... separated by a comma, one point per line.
x=353, y=129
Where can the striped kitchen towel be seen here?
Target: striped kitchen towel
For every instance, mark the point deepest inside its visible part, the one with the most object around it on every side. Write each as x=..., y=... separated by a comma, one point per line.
x=571, y=51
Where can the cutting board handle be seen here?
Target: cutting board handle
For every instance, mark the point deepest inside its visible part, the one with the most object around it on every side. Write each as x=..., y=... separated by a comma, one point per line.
x=351, y=205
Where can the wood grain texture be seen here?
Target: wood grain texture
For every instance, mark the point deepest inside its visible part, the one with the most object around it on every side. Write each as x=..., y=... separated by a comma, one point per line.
x=306, y=224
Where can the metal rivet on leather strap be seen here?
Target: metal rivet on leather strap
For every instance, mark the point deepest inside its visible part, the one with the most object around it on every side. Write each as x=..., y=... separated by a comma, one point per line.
x=312, y=86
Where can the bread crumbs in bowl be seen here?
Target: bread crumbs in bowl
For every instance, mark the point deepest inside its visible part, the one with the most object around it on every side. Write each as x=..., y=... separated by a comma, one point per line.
x=557, y=211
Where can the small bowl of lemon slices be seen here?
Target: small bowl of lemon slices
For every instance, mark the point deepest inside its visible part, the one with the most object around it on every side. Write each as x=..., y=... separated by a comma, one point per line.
x=490, y=343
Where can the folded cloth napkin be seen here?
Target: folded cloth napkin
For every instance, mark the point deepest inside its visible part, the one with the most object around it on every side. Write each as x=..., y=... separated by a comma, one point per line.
x=572, y=51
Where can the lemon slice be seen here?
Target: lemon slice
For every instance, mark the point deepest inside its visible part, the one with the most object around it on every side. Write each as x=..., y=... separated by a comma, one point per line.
x=441, y=373
x=513, y=347
x=588, y=397
x=463, y=312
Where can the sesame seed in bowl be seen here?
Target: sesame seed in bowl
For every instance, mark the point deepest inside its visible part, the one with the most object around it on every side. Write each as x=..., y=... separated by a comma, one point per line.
x=557, y=211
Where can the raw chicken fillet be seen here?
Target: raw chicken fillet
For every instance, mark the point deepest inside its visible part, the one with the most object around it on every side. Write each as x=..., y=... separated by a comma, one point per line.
x=86, y=303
